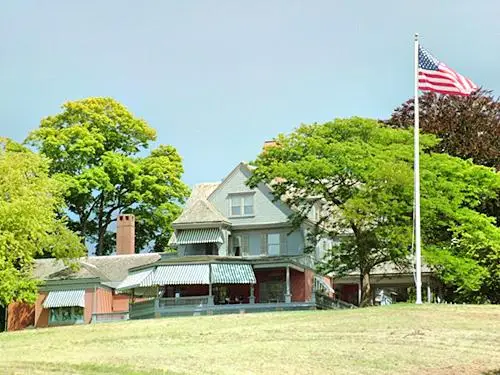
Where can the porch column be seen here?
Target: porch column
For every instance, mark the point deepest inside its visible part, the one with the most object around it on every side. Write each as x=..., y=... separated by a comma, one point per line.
x=359, y=294
x=313, y=295
x=252, y=295
x=429, y=293
x=288, y=295
x=157, y=307
x=210, y=296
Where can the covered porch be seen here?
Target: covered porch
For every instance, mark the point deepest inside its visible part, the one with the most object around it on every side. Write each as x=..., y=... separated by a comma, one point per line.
x=219, y=287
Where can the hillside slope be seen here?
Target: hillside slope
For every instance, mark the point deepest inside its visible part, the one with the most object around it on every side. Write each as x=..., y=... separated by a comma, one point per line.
x=402, y=339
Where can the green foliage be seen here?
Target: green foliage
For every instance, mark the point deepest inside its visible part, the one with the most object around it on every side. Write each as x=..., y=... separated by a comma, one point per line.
x=30, y=204
x=361, y=174
x=94, y=145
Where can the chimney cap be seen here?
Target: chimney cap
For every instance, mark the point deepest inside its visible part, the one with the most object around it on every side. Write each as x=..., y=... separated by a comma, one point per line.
x=269, y=143
x=126, y=217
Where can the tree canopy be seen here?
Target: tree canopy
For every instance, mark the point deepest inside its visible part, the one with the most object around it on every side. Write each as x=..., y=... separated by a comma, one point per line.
x=468, y=126
x=361, y=173
x=96, y=147
x=30, y=224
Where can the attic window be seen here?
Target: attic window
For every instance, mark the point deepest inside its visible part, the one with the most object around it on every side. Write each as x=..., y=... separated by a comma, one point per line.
x=242, y=205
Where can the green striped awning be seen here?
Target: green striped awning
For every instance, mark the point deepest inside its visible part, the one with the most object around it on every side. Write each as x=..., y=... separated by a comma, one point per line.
x=181, y=274
x=227, y=273
x=64, y=298
x=192, y=236
x=135, y=279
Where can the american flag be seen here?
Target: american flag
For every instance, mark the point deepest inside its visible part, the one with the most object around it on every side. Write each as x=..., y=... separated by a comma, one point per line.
x=435, y=76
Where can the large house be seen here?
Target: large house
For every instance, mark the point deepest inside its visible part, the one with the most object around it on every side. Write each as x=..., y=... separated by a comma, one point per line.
x=236, y=251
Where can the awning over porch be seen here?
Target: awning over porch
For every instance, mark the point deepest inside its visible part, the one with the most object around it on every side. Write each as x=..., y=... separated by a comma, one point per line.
x=227, y=273
x=181, y=274
x=194, y=236
x=64, y=298
x=136, y=279
x=191, y=274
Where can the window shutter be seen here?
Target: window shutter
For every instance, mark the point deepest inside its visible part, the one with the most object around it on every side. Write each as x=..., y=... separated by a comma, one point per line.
x=245, y=245
x=283, y=244
x=263, y=244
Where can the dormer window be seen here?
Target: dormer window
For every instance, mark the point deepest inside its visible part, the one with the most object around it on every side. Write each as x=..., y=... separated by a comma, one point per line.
x=241, y=205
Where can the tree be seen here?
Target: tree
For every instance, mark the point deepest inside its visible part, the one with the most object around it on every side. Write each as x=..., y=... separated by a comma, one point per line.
x=361, y=173
x=30, y=206
x=94, y=145
x=468, y=126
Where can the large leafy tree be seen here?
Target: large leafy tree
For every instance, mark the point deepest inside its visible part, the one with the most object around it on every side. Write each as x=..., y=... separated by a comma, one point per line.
x=95, y=146
x=361, y=173
x=30, y=207
x=468, y=126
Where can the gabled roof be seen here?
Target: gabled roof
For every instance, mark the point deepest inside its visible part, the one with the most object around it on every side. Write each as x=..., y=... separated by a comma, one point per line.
x=109, y=269
x=201, y=211
x=201, y=191
x=228, y=177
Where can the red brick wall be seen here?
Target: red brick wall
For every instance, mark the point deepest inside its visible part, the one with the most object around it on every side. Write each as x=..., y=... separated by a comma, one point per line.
x=120, y=302
x=300, y=282
x=41, y=314
x=20, y=315
x=308, y=284
x=349, y=293
x=297, y=285
x=268, y=274
x=104, y=300
x=89, y=305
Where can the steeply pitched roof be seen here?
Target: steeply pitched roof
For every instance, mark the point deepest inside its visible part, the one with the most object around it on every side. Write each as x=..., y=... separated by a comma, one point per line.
x=110, y=269
x=201, y=191
x=198, y=209
x=201, y=211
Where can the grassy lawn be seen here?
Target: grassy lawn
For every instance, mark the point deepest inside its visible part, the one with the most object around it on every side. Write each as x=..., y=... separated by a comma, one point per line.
x=400, y=339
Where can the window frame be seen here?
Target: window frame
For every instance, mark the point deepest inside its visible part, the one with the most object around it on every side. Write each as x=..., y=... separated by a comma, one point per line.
x=240, y=198
x=273, y=244
x=74, y=316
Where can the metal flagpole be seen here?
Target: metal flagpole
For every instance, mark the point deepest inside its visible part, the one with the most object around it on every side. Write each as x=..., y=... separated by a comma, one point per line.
x=416, y=178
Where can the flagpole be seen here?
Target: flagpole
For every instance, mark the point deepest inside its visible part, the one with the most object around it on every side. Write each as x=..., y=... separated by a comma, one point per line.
x=416, y=179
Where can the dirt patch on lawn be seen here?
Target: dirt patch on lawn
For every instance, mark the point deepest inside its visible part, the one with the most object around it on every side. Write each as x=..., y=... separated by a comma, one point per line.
x=472, y=369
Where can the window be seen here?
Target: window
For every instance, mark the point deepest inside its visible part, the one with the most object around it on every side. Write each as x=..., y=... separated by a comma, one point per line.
x=273, y=244
x=237, y=246
x=242, y=205
x=62, y=315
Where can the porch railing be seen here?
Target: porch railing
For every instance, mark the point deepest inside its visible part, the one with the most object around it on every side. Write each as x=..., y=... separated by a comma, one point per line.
x=183, y=301
x=138, y=309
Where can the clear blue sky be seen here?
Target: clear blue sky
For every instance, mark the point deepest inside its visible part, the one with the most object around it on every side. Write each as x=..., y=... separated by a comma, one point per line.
x=218, y=78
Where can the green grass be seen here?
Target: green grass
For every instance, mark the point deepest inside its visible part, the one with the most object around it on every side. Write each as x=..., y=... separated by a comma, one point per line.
x=399, y=339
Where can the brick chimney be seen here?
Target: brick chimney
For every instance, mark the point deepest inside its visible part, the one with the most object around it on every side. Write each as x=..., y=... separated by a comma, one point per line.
x=125, y=234
x=268, y=144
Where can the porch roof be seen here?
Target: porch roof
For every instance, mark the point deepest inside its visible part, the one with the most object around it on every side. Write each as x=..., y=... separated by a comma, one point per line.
x=194, y=236
x=191, y=274
x=180, y=274
x=64, y=298
x=136, y=279
x=226, y=273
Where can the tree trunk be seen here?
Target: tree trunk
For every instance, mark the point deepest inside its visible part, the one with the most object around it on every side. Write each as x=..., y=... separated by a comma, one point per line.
x=366, y=290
